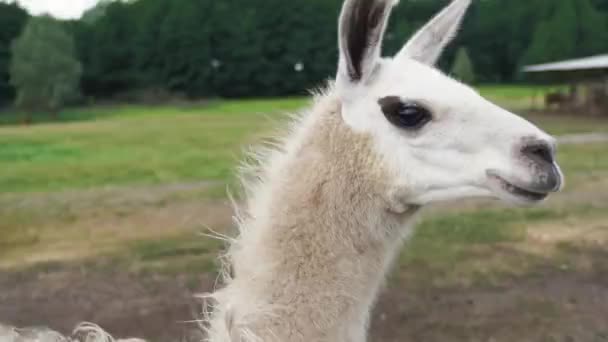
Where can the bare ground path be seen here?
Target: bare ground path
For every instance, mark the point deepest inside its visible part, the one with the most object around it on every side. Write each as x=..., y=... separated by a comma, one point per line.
x=551, y=304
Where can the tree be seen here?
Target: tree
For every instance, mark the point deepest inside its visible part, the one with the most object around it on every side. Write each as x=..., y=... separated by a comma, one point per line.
x=44, y=68
x=592, y=30
x=92, y=15
x=12, y=20
x=111, y=52
x=463, y=68
x=572, y=28
x=601, y=5
x=237, y=48
x=555, y=38
x=151, y=55
x=497, y=34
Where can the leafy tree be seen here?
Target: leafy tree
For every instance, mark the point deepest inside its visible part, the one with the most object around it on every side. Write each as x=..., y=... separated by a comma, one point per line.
x=151, y=57
x=592, y=30
x=44, y=68
x=555, y=37
x=601, y=5
x=95, y=13
x=497, y=33
x=241, y=48
x=572, y=28
x=107, y=48
x=12, y=20
x=184, y=37
x=463, y=68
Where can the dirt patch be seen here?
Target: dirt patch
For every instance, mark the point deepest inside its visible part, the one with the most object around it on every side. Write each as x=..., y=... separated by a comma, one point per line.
x=546, y=305
x=151, y=306
x=548, y=302
x=564, y=297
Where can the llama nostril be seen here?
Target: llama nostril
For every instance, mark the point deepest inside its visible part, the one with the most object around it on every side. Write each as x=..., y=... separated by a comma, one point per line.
x=540, y=151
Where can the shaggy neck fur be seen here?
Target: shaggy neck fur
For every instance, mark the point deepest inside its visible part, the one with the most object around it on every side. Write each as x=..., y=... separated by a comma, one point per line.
x=317, y=236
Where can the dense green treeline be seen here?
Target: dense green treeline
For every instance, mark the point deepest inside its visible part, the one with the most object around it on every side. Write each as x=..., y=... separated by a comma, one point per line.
x=12, y=20
x=236, y=48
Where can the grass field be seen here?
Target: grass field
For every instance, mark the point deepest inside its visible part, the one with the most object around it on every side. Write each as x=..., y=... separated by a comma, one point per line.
x=130, y=188
x=133, y=145
x=119, y=145
x=52, y=175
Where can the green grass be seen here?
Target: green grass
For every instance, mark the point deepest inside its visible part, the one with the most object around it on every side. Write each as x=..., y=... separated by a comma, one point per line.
x=190, y=255
x=518, y=98
x=181, y=254
x=131, y=144
x=441, y=241
x=135, y=149
x=514, y=92
x=589, y=158
x=569, y=124
x=584, y=163
x=470, y=247
x=441, y=247
x=212, y=107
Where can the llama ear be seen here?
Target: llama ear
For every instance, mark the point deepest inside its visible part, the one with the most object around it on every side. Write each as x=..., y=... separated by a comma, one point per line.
x=362, y=26
x=429, y=42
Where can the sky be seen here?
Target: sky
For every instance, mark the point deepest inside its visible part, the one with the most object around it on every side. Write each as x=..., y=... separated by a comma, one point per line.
x=64, y=9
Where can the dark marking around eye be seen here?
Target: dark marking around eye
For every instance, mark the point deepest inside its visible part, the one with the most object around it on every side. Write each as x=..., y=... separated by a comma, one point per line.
x=390, y=104
x=405, y=115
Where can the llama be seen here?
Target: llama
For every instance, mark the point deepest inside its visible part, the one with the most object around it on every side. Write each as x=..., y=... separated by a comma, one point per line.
x=328, y=206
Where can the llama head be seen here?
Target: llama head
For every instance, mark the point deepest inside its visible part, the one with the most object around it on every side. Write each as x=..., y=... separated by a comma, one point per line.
x=438, y=138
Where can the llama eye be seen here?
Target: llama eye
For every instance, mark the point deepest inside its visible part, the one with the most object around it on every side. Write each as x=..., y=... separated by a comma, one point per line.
x=407, y=115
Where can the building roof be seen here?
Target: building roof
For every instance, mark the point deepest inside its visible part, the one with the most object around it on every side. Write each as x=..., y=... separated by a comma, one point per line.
x=587, y=63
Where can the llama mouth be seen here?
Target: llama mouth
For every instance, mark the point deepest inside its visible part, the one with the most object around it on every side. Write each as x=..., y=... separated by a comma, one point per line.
x=516, y=191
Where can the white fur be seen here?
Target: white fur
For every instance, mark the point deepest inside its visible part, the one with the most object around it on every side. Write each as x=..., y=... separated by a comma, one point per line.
x=428, y=43
x=448, y=158
x=327, y=206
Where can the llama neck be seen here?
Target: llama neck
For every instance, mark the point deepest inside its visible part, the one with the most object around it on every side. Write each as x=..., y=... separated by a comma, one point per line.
x=317, y=240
